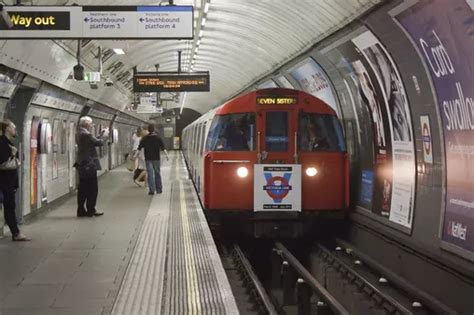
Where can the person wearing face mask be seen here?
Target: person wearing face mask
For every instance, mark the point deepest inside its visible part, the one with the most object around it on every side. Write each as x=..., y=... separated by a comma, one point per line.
x=9, y=182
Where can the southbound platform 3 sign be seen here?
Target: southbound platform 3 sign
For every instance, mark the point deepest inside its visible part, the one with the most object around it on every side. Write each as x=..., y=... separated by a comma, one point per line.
x=171, y=82
x=277, y=187
x=99, y=22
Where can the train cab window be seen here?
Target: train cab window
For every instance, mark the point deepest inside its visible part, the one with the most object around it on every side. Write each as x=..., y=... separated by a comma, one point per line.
x=233, y=132
x=276, y=132
x=320, y=133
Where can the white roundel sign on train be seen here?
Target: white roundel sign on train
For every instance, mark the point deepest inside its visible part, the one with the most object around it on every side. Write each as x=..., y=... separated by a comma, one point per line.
x=426, y=136
x=277, y=187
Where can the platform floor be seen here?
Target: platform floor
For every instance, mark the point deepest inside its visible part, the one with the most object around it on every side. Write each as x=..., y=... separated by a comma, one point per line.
x=146, y=255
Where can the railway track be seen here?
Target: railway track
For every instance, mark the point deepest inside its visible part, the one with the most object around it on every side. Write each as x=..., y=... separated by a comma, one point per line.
x=342, y=282
x=321, y=280
x=249, y=292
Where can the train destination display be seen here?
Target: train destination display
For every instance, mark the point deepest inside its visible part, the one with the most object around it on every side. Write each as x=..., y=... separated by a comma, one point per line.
x=270, y=100
x=156, y=82
x=105, y=22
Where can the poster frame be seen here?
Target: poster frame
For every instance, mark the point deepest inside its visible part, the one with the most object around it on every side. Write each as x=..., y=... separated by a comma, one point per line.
x=444, y=245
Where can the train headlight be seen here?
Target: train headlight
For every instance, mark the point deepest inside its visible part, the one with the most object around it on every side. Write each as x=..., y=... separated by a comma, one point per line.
x=242, y=172
x=311, y=171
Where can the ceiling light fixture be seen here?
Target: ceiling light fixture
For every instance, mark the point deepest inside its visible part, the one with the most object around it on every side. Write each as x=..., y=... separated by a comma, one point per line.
x=206, y=7
x=184, y=98
x=201, y=32
x=119, y=51
x=198, y=43
x=203, y=22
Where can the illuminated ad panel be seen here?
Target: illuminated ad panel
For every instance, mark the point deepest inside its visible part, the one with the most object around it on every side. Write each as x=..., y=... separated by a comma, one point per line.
x=156, y=82
x=313, y=80
x=442, y=31
x=98, y=22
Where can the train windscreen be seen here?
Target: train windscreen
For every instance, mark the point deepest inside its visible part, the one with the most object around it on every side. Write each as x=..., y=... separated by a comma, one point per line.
x=233, y=132
x=320, y=133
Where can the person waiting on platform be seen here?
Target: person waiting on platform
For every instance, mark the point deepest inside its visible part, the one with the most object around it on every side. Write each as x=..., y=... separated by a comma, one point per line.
x=152, y=144
x=139, y=174
x=9, y=183
x=87, y=165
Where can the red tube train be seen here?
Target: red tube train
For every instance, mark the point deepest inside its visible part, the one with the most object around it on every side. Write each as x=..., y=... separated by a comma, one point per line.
x=270, y=163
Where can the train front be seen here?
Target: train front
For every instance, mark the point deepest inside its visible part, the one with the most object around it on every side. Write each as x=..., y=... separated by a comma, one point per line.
x=275, y=166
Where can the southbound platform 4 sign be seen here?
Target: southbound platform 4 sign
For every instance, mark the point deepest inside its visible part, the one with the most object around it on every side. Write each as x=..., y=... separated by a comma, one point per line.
x=104, y=22
x=277, y=187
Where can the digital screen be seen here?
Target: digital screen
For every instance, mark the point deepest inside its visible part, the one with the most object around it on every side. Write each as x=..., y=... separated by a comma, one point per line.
x=171, y=83
x=277, y=100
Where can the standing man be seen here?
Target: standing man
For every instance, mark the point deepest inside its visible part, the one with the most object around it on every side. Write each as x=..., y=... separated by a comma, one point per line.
x=152, y=144
x=9, y=182
x=87, y=166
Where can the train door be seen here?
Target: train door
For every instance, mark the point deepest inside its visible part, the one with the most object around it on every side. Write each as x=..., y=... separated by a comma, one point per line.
x=277, y=132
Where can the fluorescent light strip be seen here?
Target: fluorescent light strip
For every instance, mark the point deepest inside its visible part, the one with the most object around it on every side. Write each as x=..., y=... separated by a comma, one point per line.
x=184, y=98
x=203, y=22
x=119, y=51
x=198, y=43
x=206, y=7
x=201, y=32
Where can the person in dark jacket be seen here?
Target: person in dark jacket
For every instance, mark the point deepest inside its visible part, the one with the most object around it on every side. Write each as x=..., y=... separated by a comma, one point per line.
x=153, y=144
x=87, y=165
x=9, y=182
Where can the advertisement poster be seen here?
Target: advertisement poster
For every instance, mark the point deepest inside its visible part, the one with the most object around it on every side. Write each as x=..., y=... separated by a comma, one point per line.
x=314, y=81
x=56, y=134
x=395, y=100
x=442, y=31
x=277, y=187
x=72, y=155
x=385, y=129
x=45, y=148
x=34, y=136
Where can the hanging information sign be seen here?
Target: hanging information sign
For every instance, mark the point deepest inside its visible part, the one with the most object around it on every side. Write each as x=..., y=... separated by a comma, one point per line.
x=171, y=82
x=98, y=22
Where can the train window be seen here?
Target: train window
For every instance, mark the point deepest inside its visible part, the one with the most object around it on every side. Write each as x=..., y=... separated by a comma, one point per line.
x=195, y=138
x=320, y=133
x=203, y=138
x=276, y=132
x=233, y=132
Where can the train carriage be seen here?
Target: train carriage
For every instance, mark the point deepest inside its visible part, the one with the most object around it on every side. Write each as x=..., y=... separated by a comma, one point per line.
x=270, y=129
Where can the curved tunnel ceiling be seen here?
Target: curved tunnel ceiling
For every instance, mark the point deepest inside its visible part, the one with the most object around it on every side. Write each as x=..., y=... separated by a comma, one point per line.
x=242, y=41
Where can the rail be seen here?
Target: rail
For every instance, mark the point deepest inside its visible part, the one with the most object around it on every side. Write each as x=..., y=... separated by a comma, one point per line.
x=262, y=293
x=426, y=299
x=308, y=279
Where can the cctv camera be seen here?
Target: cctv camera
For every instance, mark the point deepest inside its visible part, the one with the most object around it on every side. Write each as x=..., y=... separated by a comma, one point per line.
x=109, y=82
x=93, y=85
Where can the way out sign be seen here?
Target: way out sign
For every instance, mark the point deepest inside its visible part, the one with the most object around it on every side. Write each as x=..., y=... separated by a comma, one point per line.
x=277, y=187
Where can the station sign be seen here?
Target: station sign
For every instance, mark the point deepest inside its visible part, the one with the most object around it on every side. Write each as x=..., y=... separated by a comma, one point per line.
x=427, y=142
x=171, y=82
x=98, y=22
